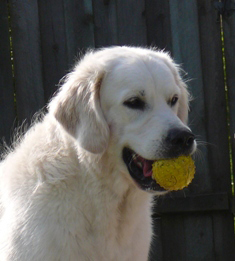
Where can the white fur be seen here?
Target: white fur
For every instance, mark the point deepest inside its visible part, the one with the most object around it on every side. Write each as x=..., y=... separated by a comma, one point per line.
x=65, y=192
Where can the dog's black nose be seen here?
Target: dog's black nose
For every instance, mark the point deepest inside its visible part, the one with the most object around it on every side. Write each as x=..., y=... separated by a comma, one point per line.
x=179, y=141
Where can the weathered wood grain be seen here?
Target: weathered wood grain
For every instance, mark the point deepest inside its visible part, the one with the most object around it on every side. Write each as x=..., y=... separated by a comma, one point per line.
x=158, y=24
x=187, y=237
x=27, y=58
x=7, y=110
x=105, y=23
x=229, y=41
x=54, y=45
x=214, y=97
x=224, y=240
x=78, y=27
x=131, y=22
x=194, y=203
x=66, y=32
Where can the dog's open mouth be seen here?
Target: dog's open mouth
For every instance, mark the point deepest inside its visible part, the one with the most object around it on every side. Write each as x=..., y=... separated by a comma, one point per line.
x=140, y=170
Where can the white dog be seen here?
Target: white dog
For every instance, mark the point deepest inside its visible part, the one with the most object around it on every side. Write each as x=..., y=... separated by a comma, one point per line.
x=78, y=185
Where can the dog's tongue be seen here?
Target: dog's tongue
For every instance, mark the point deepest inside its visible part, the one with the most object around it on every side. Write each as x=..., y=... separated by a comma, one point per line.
x=147, y=168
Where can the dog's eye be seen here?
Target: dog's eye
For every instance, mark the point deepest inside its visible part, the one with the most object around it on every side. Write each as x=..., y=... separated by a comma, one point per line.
x=174, y=100
x=134, y=103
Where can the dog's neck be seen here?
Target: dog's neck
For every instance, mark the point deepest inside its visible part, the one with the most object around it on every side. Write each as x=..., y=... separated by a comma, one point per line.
x=124, y=203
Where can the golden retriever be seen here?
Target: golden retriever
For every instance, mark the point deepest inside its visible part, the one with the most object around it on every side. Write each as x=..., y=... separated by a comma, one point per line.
x=78, y=185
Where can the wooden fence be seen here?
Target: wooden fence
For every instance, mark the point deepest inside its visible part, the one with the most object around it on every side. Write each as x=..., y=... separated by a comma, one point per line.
x=40, y=40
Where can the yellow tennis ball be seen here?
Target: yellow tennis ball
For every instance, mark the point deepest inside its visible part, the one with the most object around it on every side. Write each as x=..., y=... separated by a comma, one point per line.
x=174, y=174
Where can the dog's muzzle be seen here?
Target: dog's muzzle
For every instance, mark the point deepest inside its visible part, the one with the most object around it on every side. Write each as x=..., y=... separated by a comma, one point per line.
x=176, y=143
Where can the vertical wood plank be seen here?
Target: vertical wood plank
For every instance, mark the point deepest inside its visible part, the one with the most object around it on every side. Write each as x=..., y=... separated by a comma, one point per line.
x=79, y=27
x=27, y=58
x=131, y=22
x=53, y=42
x=199, y=243
x=187, y=237
x=105, y=20
x=158, y=24
x=186, y=51
x=156, y=251
x=229, y=41
x=214, y=96
x=173, y=236
x=224, y=238
x=7, y=111
x=66, y=30
x=212, y=64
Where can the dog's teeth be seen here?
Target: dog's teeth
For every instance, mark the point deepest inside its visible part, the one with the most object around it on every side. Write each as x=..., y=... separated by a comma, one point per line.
x=140, y=164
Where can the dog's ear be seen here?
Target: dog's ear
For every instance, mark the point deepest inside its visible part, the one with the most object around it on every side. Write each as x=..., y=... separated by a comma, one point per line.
x=183, y=102
x=184, y=96
x=77, y=108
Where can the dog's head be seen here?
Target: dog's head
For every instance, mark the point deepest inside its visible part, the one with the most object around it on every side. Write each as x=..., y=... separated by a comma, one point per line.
x=131, y=101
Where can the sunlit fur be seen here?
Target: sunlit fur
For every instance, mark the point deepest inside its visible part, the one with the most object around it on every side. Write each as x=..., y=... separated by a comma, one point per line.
x=65, y=192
